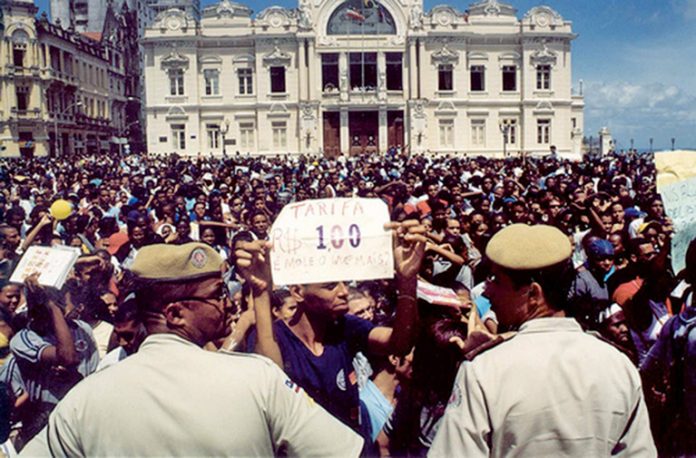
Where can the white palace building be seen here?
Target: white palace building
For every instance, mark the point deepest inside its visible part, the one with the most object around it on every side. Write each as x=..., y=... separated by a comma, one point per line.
x=359, y=76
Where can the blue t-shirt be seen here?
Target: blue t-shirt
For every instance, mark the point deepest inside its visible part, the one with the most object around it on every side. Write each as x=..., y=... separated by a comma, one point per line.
x=330, y=378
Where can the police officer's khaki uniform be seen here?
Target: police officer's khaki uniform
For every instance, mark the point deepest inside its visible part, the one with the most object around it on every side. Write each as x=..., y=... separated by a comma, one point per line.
x=550, y=391
x=174, y=399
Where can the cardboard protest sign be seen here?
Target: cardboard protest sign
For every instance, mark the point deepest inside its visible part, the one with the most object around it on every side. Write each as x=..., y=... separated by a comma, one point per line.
x=52, y=263
x=676, y=181
x=325, y=240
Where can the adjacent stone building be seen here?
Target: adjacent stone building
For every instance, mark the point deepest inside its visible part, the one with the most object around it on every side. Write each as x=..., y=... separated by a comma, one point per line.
x=356, y=76
x=63, y=92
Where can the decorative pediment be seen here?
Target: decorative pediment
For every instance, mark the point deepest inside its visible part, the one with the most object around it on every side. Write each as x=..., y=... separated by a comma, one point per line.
x=174, y=20
x=277, y=58
x=445, y=56
x=443, y=15
x=446, y=107
x=544, y=106
x=477, y=56
x=544, y=56
x=210, y=61
x=176, y=112
x=543, y=16
x=492, y=8
x=175, y=61
x=275, y=16
x=226, y=10
x=509, y=58
x=278, y=110
x=244, y=59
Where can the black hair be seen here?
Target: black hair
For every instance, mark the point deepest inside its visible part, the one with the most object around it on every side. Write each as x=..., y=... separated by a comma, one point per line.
x=555, y=281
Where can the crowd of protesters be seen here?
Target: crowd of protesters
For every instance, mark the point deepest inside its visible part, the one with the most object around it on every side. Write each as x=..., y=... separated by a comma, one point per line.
x=395, y=390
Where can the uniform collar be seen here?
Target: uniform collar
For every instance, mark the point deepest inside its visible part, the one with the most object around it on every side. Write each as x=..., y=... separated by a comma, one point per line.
x=165, y=338
x=550, y=325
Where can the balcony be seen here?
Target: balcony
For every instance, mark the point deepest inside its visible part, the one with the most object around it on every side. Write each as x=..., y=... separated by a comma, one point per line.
x=57, y=75
x=22, y=72
x=25, y=115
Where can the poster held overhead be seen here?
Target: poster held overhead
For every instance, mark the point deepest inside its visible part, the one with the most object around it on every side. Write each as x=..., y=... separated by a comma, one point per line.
x=326, y=240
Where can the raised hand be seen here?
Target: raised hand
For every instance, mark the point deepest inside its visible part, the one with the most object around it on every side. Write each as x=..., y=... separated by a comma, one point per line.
x=409, y=247
x=253, y=262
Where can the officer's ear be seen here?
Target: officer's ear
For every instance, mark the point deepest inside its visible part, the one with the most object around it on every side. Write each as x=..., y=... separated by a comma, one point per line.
x=175, y=314
x=535, y=294
x=298, y=293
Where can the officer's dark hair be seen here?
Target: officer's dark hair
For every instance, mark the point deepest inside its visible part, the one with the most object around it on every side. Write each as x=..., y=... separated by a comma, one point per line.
x=555, y=281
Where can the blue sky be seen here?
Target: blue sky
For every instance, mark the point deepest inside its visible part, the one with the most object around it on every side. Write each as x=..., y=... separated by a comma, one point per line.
x=637, y=59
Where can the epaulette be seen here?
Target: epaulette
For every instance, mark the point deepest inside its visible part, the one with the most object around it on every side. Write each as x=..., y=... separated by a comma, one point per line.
x=488, y=344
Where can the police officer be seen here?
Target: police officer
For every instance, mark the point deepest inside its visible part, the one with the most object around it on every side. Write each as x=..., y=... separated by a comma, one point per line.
x=551, y=390
x=172, y=398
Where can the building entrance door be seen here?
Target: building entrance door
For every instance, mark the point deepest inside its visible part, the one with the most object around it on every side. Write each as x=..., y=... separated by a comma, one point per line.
x=332, y=133
x=363, y=127
x=395, y=121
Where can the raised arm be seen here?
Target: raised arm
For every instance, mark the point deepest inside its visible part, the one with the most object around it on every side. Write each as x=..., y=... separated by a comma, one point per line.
x=254, y=264
x=409, y=248
x=63, y=352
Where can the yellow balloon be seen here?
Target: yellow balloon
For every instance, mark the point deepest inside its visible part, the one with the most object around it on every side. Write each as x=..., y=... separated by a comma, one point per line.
x=61, y=209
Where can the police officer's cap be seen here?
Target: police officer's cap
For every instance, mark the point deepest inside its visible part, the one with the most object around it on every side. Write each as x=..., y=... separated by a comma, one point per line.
x=167, y=263
x=522, y=247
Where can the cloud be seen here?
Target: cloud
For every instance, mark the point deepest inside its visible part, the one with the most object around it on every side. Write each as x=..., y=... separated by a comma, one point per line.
x=640, y=110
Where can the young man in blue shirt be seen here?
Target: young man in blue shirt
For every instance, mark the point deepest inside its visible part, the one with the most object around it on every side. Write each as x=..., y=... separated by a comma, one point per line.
x=316, y=347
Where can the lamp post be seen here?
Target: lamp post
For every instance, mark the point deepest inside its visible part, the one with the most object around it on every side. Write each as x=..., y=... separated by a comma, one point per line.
x=505, y=130
x=59, y=143
x=224, y=128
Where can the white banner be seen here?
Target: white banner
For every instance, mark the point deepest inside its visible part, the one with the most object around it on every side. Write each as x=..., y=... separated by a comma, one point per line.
x=676, y=182
x=326, y=240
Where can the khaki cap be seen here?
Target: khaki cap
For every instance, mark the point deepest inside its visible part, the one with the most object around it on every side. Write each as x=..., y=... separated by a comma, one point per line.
x=522, y=247
x=165, y=263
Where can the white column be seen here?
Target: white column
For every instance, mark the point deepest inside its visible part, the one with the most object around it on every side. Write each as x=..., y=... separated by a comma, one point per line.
x=302, y=71
x=345, y=133
x=343, y=75
x=381, y=76
x=312, y=71
x=412, y=69
x=421, y=67
x=383, y=130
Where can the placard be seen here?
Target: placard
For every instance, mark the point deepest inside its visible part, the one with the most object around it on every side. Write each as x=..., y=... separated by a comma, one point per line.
x=53, y=263
x=326, y=240
x=437, y=295
x=676, y=182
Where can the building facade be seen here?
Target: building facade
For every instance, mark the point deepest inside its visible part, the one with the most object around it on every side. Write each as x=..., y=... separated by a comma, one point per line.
x=359, y=76
x=62, y=92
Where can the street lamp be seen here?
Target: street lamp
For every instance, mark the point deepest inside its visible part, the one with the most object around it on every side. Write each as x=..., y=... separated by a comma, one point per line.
x=57, y=141
x=505, y=130
x=224, y=128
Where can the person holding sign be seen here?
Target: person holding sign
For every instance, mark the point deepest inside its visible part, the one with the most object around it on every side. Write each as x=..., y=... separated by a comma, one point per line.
x=316, y=347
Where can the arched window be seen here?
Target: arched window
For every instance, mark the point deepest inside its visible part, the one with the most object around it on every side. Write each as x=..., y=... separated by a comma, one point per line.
x=361, y=17
x=20, y=39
